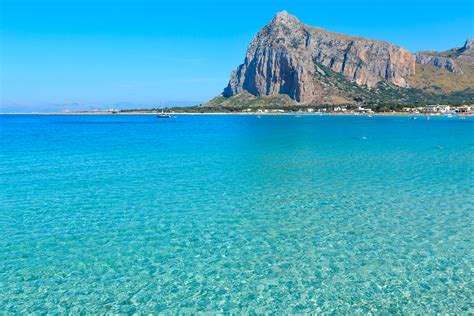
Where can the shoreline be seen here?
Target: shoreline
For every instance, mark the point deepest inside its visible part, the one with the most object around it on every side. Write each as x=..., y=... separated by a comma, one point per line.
x=245, y=113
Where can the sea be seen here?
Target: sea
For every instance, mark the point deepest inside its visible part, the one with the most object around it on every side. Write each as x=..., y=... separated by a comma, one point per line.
x=230, y=214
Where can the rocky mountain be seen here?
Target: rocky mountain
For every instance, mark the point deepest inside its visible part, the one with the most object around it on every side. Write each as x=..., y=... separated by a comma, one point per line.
x=315, y=66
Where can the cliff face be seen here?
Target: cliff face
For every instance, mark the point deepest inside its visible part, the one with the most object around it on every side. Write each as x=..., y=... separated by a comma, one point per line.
x=439, y=62
x=289, y=57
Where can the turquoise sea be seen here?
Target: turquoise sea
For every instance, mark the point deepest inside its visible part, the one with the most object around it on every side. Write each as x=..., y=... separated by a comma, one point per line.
x=235, y=213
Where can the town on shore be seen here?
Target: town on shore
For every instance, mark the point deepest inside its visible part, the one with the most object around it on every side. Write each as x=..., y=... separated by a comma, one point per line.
x=464, y=110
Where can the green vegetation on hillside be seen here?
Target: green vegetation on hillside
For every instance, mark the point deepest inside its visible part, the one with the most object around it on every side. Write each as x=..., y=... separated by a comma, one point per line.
x=247, y=100
x=432, y=79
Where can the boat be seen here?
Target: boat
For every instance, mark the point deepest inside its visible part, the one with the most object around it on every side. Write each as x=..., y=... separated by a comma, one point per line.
x=163, y=115
x=413, y=117
x=428, y=117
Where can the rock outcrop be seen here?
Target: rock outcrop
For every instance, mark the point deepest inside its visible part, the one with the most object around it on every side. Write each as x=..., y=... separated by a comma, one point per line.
x=469, y=45
x=466, y=53
x=289, y=57
x=439, y=62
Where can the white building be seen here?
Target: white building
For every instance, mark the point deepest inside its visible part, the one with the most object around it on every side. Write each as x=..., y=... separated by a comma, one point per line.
x=437, y=108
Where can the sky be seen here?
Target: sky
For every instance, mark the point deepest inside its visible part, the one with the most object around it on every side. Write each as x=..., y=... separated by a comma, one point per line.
x=83, y=54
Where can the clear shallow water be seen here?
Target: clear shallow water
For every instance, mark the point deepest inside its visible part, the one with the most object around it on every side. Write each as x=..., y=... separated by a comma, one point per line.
x=236, y=214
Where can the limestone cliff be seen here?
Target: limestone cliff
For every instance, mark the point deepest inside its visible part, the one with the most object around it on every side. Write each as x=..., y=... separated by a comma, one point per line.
x=289, y=57
x=315, y=66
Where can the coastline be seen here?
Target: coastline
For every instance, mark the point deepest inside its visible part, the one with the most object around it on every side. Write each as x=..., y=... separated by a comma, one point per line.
x=245, y=113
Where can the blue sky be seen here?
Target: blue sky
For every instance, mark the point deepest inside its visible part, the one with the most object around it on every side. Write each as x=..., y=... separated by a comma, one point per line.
x=136, y=53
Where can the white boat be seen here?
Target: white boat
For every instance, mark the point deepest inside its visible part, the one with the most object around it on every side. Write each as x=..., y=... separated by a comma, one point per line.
x=163, y=115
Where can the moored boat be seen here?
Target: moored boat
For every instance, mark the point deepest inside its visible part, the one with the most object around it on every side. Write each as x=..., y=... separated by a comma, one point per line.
x=163, y=115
